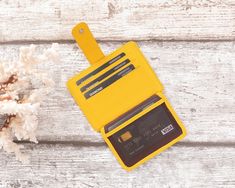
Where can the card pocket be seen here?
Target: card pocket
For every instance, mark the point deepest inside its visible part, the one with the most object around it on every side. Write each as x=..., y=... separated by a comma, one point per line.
x=143, y=134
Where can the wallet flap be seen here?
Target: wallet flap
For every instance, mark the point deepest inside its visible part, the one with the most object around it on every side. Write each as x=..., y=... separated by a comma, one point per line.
x=87, y=42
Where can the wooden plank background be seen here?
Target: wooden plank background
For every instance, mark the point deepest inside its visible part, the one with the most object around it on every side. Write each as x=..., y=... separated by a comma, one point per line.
x=118, y=20
x=190, y=45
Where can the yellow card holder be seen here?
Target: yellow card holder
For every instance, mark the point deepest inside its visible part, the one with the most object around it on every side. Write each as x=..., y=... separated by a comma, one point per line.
x=122, y=98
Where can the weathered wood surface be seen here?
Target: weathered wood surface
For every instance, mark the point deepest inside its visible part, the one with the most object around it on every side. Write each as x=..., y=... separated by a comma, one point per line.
x=198, y=75
x=95, y=166
x=199, y=80
x=118, y=20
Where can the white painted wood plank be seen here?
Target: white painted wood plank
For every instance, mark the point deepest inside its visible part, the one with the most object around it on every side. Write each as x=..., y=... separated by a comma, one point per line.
x=198, y=79
x=118, y=20
x=74, y=166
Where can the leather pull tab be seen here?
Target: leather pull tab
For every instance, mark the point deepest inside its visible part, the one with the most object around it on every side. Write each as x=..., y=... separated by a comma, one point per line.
x=87, y=42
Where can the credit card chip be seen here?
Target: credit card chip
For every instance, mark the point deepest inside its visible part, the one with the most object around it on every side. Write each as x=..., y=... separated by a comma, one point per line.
x=126, y=136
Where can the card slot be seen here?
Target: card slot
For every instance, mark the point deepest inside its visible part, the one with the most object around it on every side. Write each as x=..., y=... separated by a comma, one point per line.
x=109, y=81
x=104, y=75
x=103, y=71
x=131, y=113
x=109, y=76
x=136, y=116
x=100, y=68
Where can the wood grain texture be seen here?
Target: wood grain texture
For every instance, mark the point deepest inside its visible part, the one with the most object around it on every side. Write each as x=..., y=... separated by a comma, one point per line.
x=32, y=20
x=198, y=79
x=75, y=166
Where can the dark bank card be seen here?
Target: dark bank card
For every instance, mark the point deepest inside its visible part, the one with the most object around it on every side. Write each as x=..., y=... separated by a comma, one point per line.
x=145, y=135
x=131, y=113
x=100, y=68
x=103, y=76
x=109, y=81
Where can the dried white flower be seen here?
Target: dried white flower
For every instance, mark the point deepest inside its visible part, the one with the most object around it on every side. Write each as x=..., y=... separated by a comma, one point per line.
x=19, y=98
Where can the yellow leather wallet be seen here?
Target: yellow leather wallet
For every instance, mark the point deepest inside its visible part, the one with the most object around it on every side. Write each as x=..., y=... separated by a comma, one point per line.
x=122, y=98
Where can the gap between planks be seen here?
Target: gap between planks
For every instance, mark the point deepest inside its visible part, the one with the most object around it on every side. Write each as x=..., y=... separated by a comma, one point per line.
x=102, y=144
x=27, y=42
